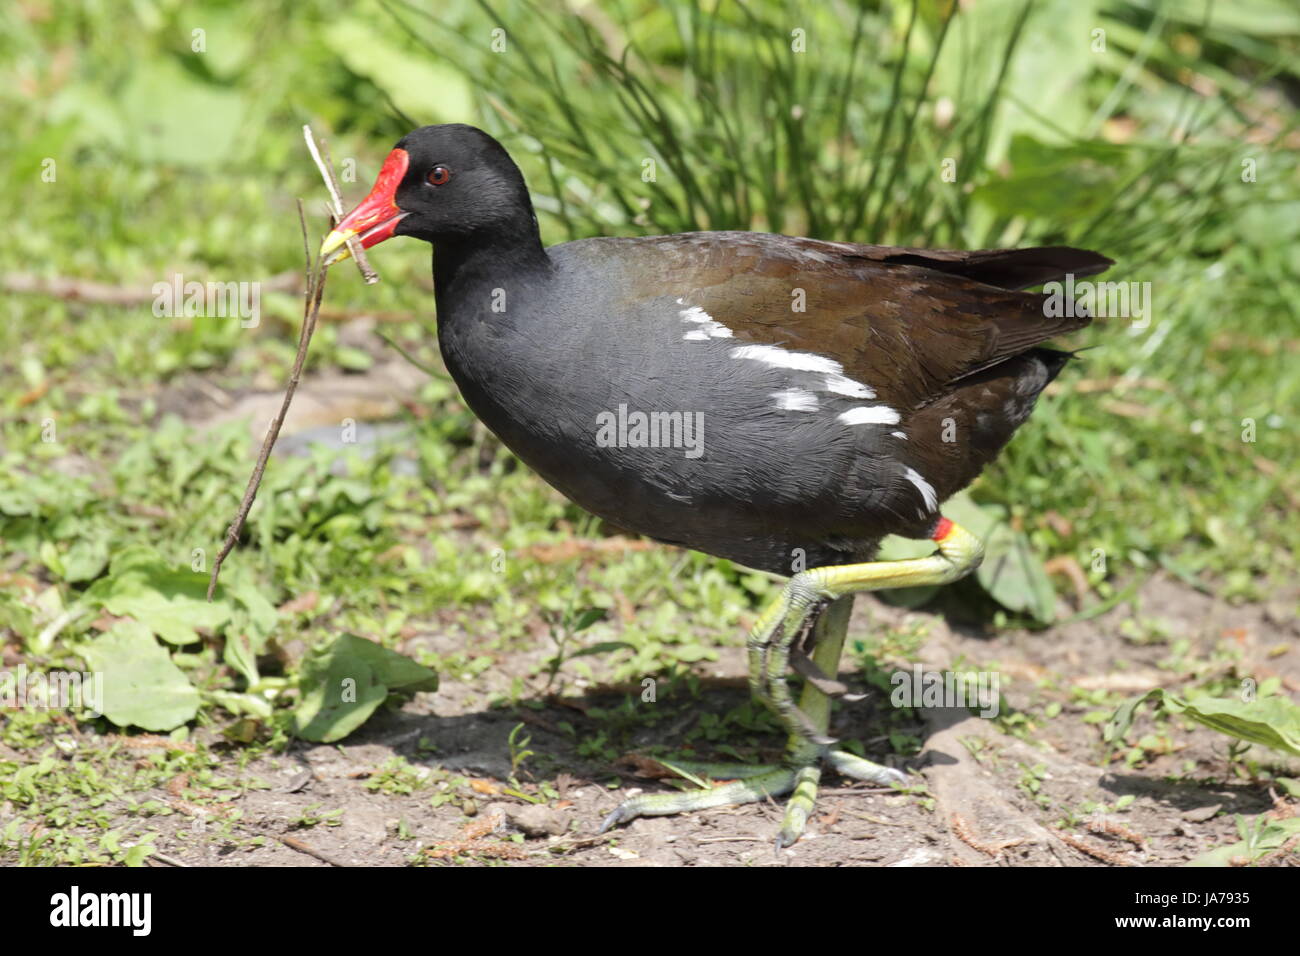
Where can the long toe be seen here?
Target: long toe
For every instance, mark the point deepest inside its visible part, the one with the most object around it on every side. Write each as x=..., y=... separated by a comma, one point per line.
x=620, y=814
x=800, y=806
x=851, y=765
x=753, y=789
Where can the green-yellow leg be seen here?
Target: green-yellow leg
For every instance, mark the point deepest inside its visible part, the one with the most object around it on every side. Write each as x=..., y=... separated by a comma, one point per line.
x=769, y=646
x=831, y=630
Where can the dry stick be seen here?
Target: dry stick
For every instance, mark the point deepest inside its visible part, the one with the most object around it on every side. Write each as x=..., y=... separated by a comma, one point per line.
x=311, y=308
x=311, y=311
x=310, y=850
x=326, y=168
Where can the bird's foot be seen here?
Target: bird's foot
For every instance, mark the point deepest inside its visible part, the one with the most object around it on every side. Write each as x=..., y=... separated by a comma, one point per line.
x=754, y=784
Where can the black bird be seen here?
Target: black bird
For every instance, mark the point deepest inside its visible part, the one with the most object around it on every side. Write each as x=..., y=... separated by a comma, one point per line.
x=778, y=401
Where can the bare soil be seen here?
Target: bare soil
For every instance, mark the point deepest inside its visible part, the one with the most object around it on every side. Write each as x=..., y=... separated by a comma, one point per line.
x=975, y=808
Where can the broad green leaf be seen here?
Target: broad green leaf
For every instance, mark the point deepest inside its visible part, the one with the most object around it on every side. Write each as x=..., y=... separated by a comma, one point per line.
x=229, y=43
x=1073, y=181
x=1046, y=73
x=1014, y=576
x=86, y=557
x=1011, y=573
x=342, y=685
x=1260, y=837
x=170, y=601
x=693, y=651
x=423, y=88
x=395, y=670
x=170, y=116
x=339, y=693
x=141, y=685
x=1271, y=721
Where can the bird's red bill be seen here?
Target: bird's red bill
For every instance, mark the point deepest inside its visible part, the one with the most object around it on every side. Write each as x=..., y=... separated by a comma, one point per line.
x=376, y=216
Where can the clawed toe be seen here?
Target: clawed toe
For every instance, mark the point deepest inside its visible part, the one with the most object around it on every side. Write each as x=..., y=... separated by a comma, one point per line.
x=620, y=814
x=797, y=722
x=895, y=778
x=851, y=765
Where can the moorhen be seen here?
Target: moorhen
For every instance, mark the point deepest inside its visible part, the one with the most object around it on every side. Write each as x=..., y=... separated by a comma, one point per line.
x=781, y=402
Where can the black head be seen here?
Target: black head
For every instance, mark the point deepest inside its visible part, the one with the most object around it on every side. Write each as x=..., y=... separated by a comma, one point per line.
x=445, y=184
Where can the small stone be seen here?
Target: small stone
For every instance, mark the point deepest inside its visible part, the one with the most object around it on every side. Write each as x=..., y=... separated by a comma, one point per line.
x=1201, y=814
x=538, y=821
x=919, y=857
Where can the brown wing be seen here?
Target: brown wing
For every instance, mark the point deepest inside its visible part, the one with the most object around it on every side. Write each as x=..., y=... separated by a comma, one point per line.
x=907, y=322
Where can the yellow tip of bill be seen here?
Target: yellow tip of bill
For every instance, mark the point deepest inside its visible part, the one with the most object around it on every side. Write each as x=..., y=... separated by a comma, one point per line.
x=335, y=248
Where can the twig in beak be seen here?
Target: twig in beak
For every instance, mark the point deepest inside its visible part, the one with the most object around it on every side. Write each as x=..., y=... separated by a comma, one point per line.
x=326, y=167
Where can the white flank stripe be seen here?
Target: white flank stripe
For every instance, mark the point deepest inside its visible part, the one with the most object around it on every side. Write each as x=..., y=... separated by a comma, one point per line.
x=780, y=358
x=899, y=435
x=796, y=400
x=924, y=487
x=841, y=385
x=870, y=415
x=709, y=330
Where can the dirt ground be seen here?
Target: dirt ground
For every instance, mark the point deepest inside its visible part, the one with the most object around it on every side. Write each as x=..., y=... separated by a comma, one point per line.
x=989, y=798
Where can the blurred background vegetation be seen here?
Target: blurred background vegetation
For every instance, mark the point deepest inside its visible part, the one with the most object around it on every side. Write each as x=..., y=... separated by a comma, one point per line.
x=1162, y=134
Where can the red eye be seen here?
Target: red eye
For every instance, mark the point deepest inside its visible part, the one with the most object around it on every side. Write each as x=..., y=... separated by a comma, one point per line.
x=439, y=175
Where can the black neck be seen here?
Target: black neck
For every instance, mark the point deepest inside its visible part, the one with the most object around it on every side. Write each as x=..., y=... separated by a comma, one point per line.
x=469, y=266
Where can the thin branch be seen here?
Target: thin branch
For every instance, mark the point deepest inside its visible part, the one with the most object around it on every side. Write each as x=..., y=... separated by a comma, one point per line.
x=336, y=202
x=311, y=309
x=310, y=850
x=316, y=271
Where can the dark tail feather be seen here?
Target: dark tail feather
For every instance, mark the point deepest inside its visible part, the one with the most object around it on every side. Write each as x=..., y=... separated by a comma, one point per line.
x=1012, y=269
